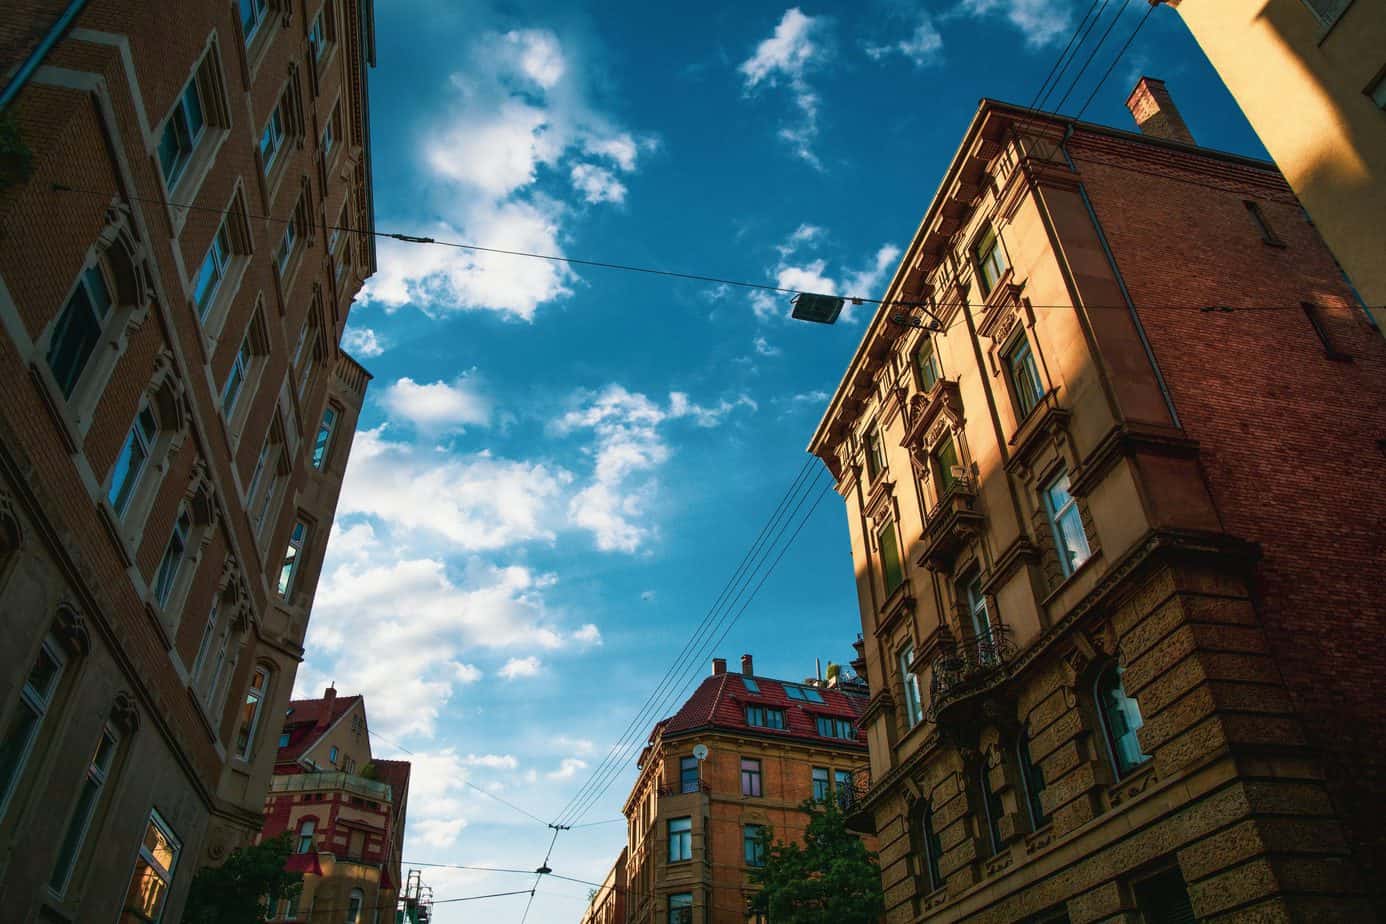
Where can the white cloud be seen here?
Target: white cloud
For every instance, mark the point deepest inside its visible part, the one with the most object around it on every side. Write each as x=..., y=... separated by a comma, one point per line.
x=628, y=446
x=1041, y=22
x=799, y=273
x=362, y=342
x=518, y=108
x=467, y=673
x=588, y=634
x=921, y=47
x=475, y=502
x=785, y=58
x=764, y=348
x=520, y=667
x=567, y=769
x=597, y=184
x=438, y=405
x=493, y=761
x=647, y=596
x=436, y=832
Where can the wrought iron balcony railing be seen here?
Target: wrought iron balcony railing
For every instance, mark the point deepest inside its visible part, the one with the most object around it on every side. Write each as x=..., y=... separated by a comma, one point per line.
x=970, y=660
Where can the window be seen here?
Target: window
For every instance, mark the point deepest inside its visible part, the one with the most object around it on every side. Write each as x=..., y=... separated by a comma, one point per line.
x=172, y=561
x=1164, y=898
x=822, y=785
x=991, y=807
x=1258, y=218
x=875, y=456
x=688, y=774
x=212, y=697
x=930, y=847
x=317, y=34
x=892, y=571
x=753, y=844
x=1033, y=778
x=1121, y=717
x=154, y=869
x=183, y=129
x=272, y=138
x=252, y=15
x=979, y=618
x=944, y=459
x=332, y=756
x=235, y=379
x=324, y=438
x=78, y=329
x=293, y=554
x=250, y=712
x=830, y=727
x=329, y=141
x=750, y=777
x=283, y=739
x=750, y=684
x=1316, y=322
x=305, y=835
x=914, y=709
x=285, y=251
x=35, y=699
x=804, y=694
x=764, y=717
x=926, y=364
x=1024, y=377
x=212, y=271
x=681, y=908
x=1067, y=524
x=129, y=464
x=991, y=260
x=354, y=903
x=204, y=645
x=1377, y=90
x=680, y=839
x=98, y=770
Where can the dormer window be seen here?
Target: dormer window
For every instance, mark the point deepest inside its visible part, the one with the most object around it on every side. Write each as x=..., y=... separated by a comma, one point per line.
x=765, y=717
x=830, y=727
x=750, y=685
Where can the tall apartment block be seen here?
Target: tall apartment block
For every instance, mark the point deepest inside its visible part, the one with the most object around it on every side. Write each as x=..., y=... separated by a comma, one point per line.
x=175, y=417
x=743, y=753
x=1106, y=458
x=344, y=812
x=1311, y=77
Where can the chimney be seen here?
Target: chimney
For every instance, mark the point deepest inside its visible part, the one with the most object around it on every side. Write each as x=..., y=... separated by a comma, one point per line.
x=329, y=698
x=747, y=666
x=1155, y=112
x=719, y=666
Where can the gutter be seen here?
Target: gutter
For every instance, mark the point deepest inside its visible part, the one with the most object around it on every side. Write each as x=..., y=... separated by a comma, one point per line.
x=45, y=45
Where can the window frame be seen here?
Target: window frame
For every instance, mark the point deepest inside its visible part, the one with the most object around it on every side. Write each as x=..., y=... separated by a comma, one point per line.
x=239, y=375
x=768, y=716
x=931, y=846
x=93, y=272
x=144, y=855
x=685, y=763
x=253, y=707
x=680, y=839
x=1058, y=515
x=874, y=453
x=297, y=544
x=943, y=475
x=992, y=808
x=1018, y=359
x=822, y=781
x=994, y=260
x=914, y=703
x=886, y=537
x=272, y=136
x=752, y=778
x=178, y=121
x=925, y=357
x=40, y=704
x=835, y=724
x=1122, y=767
x=166, y=575
x=322, y=441
x=1263, y=226
x=220, y=253
x=260, y=10
x=85, y=809
x=752, y=847
x=1032, y=779
x=676, y=903
x=141, y=438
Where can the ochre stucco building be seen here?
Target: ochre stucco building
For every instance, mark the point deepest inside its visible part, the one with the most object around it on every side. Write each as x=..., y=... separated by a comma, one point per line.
x=1311, y=77
x=608, y=902
x=1117, y=542
x=175, y=418
x=343, y=810
x=693, y=826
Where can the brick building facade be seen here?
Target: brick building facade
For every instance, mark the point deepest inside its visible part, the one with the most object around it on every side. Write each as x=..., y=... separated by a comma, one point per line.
x=693, y=825
x=344, y=811
x=175, y=417
x=1116, y=559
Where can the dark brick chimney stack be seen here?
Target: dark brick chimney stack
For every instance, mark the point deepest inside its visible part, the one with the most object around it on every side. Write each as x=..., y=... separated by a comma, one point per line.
x=329, y=699
x=747, y=666
x=719, y=666
x=1155, y=112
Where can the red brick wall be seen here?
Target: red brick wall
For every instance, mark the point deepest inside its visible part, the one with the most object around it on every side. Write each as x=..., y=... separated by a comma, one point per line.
x=1289, y=437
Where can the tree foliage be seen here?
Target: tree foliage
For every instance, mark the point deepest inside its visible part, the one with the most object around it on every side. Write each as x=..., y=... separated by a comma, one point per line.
x=237, y=891
x=831, y=877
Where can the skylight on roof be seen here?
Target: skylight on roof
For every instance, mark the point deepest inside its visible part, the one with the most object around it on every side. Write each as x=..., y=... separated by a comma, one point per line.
x=751, y=685
x=804, y=694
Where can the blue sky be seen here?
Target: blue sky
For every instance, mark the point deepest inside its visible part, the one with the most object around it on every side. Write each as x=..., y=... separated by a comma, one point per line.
x=557, y=469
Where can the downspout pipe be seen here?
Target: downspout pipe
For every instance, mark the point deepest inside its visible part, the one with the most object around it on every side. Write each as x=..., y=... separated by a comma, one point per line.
x=45, y=45
x=1121, y=281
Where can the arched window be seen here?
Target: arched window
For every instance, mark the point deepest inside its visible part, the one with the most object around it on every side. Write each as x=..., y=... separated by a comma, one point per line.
x=21, y=729
x=250, y=712
x=305, y=835
x=1121, y=717
x=991, y=807
x=1033, y=779
x=928, y=846
x=354, y=903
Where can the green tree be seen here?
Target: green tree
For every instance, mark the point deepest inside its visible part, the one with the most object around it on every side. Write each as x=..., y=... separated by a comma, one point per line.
x=832, y=877
x=249, y=883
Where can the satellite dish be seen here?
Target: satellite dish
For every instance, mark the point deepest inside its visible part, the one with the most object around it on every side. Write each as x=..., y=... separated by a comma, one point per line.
x=700, y=751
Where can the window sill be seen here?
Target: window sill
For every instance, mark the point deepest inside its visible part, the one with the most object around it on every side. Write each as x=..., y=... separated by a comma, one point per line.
x=1086, y=565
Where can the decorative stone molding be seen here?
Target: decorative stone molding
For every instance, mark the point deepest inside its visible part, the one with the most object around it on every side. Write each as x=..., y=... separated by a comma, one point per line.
x=933, y=415
x=11, y=527
x=71, y=630
x=125, y=713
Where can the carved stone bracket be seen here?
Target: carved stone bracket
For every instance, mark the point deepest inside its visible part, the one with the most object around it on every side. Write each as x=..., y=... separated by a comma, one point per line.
x=71, y=630
x=125, y=713
x=932, y=417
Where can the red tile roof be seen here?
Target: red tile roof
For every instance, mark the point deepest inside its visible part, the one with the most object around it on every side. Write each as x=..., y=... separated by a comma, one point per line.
x=721, y=700
x=301, y=724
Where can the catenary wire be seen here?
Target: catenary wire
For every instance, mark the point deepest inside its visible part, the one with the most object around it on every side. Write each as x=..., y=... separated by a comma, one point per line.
x=1054, y=70
x=1116, y=18
x=1081, y=33
x=694, y=643
x=599, y=787
x=1111, y=67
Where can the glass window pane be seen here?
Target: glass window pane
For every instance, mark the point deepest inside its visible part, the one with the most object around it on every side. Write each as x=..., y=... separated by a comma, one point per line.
x=891, y=570
x=192, y=105
x=128, y=466
x=75, y=335
x=23, y=724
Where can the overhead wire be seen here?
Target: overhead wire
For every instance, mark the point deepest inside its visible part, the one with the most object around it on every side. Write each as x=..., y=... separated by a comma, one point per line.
x=1053, y=68
x=1081, y=34
x=1111, y=67
x=1116, y=18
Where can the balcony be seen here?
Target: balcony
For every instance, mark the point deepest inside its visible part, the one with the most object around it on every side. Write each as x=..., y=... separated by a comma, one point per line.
x=967, y=667
x=332, y=782
x=951, y=525
x=852, y=800
x=681, y=789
